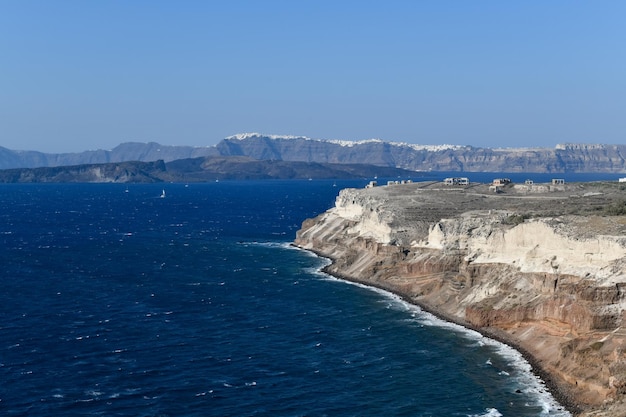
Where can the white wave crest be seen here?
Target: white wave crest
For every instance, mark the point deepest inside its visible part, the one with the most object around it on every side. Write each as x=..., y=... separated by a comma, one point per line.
x=490, y=412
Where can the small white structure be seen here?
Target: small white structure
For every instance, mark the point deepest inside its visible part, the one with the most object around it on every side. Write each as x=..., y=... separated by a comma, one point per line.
x=371, y=184
x=558, y=181
x=529, y=182
x=501, y=181
x=622, y=179
x=456, y=181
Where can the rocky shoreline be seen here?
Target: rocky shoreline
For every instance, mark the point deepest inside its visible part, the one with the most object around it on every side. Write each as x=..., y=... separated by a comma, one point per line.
x=540, y=269
x=561, y=395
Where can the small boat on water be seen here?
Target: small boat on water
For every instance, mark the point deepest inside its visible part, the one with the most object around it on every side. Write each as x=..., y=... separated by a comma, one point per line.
x=163, y=194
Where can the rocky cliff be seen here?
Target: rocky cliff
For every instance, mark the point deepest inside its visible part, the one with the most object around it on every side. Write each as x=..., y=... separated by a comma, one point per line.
x=562, y=158
x=540, y=267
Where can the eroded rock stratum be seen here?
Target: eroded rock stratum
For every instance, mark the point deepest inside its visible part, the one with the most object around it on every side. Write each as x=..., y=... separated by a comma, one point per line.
x=542, y=267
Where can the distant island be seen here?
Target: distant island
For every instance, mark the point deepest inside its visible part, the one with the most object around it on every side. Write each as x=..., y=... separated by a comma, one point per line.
x=564, y=158
x=200, y=169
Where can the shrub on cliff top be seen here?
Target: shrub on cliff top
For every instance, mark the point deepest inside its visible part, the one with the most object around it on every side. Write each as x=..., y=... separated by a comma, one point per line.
x=616, y=209
x=515, y=219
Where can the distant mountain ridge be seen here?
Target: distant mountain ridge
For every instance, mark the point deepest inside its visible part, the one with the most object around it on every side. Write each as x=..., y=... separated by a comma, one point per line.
x=125, y=152
x=118, y=172
x=563, y=158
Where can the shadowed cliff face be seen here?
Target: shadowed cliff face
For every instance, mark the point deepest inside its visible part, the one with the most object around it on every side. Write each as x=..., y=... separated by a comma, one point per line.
x=518, y=266
x=564, y=158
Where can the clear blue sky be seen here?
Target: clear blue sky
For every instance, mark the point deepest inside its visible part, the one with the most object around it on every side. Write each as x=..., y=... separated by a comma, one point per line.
x=78, y=75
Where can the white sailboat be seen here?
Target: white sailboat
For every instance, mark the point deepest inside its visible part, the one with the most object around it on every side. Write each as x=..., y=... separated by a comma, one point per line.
x=163, y=194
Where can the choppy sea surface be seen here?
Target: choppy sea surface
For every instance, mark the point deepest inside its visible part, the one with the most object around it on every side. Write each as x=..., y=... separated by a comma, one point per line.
x=117, y=302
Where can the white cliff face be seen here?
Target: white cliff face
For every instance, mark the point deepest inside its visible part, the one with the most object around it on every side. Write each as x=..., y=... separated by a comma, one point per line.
x=534, y=246
x=347, y=206
x=372, y=221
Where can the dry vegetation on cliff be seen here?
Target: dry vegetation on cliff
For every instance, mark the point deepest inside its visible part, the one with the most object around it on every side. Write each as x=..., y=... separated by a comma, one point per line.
x=542, y=267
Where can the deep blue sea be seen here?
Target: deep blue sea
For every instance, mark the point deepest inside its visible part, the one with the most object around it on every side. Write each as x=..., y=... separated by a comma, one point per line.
x=116, y=302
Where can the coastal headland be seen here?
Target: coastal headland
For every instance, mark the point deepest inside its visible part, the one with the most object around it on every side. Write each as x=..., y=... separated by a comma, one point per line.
x=541, y=267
